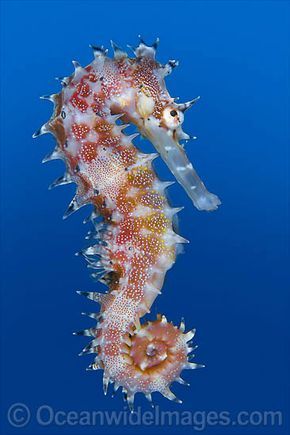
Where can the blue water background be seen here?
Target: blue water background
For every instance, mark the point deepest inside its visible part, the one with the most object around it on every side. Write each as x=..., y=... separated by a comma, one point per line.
x=232, y=282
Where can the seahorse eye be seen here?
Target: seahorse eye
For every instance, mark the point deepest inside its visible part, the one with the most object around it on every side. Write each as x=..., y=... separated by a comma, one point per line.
x=172, y=117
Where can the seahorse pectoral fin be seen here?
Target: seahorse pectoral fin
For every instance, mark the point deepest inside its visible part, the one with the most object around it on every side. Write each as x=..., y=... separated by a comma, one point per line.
x=175, y=158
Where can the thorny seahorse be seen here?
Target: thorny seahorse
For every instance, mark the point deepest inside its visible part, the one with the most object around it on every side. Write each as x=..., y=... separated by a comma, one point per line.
x=135, y=243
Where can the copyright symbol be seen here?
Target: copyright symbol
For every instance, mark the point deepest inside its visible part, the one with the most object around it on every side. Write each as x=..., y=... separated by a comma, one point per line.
x=18, y=415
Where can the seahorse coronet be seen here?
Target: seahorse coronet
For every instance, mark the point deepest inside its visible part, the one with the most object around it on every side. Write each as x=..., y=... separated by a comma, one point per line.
x=135, y=244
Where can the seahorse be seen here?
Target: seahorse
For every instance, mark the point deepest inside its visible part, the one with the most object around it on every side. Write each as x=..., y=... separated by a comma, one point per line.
x=135, y=243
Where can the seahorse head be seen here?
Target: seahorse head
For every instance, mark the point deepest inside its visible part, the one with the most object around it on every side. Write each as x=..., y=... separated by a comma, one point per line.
x=159, y=118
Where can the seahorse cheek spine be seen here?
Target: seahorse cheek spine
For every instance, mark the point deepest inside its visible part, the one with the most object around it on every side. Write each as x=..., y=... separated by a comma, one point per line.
x=135, y=244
